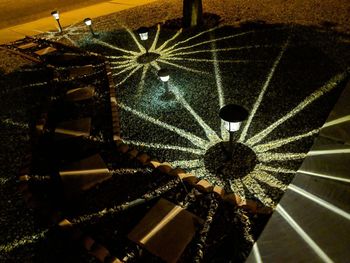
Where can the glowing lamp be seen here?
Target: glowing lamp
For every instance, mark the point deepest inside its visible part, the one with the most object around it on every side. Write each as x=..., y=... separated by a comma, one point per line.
x=232, y=115
x=55, y=14
x=163, y=74
x=143, y=33
x=88, y=21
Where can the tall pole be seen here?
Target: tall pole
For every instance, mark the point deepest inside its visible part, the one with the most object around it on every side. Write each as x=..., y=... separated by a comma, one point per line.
x=230, y=149
x=59, y=25
x=166, y=85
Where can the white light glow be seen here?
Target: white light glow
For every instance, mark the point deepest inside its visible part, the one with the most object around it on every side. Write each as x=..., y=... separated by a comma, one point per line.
x=55, y=14
x=232, y=126
x=188, y=163
x=262, y=92
x=270, y=157
x=337, y=121
x=323, y=256
x=280, y=142
x=320, y=201
x=256, y=252
x=210, y=133
x=164, y=78
x=165, y=146
x=325, y=176
x=330, y=85
x=328, y=152
x=88, y=22
x=197, y=141
x=144, y=36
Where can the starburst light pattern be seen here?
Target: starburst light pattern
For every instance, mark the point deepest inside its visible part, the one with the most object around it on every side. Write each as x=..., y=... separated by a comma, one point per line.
x=265, y=177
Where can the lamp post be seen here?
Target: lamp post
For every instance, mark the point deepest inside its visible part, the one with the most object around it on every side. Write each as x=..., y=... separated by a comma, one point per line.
x=88, y=22
x=163, y=74
x=56, y=15
x=143, y=33
x=232, y=115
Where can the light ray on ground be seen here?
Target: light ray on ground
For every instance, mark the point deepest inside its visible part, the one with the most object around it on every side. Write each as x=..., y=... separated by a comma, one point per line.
x=128, y=76
x=155, y=40
x=270, y=157
x=320, y=201
x=328, y=152
x=274, y=169
x=209, y=132
x=330, y=85
x=126, y=57
x=128, y=67
x=325, y=176
x=133, y=36
x=209, y=60
x=128, y=204
x=15, y=123
x=182, y=67
x=255, y=189
x=128, y=61
x=165, y=147
x=262, y=92
x=105, y=44
x=220, y=90
x=278, y=143
x=3, y=181
x=268, y=179
x=337, y=121
x=237, y=186
x=310, y=242
x=125, y=66
x=188, y=163
x=123, y=171
x=256, y=253
x=189, y=39
x=71, y=40
x=197, y=141
x=142, y=81
x=155, y=65
x=199, y=171
x=24, y=241
x=217, y=50
x=169, y=40
x=173, y=50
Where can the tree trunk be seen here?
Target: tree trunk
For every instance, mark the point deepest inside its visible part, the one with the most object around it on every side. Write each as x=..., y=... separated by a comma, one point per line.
x=192, y=13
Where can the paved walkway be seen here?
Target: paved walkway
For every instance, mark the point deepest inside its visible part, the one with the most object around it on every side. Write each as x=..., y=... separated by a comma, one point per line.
x=67, y=18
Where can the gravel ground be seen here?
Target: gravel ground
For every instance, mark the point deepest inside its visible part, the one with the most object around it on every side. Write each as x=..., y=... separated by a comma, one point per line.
x=315, y=54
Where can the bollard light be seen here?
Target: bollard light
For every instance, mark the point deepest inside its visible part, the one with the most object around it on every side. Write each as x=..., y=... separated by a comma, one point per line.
x=163, y=74
x=88, y=22
x=232, y=115
x=56, y=15
x=143, y=33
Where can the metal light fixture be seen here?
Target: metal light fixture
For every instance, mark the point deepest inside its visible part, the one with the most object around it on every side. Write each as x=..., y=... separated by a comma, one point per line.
x=56, y=15
x=143, y=33
x=88, y=22
x=232, y=115
x=164, y=76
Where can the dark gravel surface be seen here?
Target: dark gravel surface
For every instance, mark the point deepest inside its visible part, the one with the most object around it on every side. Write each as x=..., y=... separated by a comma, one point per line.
x=312, y=58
